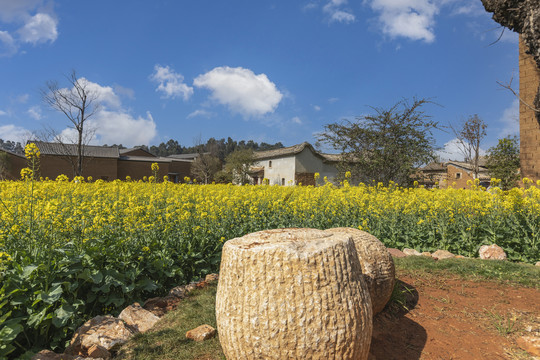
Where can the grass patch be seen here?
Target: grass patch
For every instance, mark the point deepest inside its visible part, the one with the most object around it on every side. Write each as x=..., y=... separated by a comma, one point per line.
x=506, y=272
x=167, y=340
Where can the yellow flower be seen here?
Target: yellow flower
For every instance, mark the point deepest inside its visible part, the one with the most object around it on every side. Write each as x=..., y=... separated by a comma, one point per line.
x=155, y=167
x=31, y=151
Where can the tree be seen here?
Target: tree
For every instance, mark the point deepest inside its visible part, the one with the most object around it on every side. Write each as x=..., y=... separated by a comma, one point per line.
x=78, y=104
x=385, y=146
x=205, y=166
x=469, y=137
x=238, y=164
x=503, y=162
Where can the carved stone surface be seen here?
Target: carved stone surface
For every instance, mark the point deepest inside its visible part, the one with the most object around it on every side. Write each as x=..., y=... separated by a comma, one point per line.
x=377, y=265
x=293, y=294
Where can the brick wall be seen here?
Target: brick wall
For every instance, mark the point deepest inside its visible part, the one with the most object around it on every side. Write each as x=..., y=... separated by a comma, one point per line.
x=529, y=80
x=98, y=168
x=139, y=169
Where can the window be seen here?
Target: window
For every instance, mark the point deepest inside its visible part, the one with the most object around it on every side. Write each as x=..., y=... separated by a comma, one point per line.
x=270, y=163
x=458, y=175
x=283, y=181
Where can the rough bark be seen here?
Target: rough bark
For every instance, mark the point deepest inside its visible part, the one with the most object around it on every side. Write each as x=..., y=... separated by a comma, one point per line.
x=293, y=294
x=377, y=265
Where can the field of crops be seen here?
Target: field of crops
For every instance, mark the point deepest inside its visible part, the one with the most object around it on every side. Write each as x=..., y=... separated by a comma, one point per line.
x=72, y=250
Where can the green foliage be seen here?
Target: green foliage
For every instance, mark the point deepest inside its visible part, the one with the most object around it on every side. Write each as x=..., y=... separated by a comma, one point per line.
x=503, y=162
x=385, y=146
x=238, y=163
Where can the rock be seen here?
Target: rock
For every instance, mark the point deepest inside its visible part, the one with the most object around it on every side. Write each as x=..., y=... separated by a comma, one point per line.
x=459, y=257
x=201, y=333
x=160, y=306
x=396, y=253
x=201, y=284
x=293, y=294
x=492, y=252
x=411, y=252
x=51, y=355
x=530, y=344
x=442, y=254
x=106, y=331
x=138, y=318
x=98, y=352
x=377, y=265
x=179, y=291
x=426, y=254
x=211, y=277
x=537, y=263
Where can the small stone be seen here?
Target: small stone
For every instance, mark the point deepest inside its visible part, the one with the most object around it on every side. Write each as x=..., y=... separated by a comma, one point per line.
x=211, y=277
x=530, y=344
x=396, y=253
x=537, y=263
x=179, y=291
x=201, y=333
x=51, y=355
x=460, y=257
x=426, y=254
x=106, y=331
x=492, y=252
x=160, y=306
x=411, y=252
x=138, y=318
x=442, y=254
x=96, y=351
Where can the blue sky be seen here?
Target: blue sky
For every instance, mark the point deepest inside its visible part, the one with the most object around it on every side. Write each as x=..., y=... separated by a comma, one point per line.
x=263, y=70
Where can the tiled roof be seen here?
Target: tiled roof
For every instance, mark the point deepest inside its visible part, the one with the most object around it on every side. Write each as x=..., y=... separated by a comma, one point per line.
x=12, y=153
x=50, y=148
x=146, y=158
x=293, y=150
x=185, y=156
x=125, y=151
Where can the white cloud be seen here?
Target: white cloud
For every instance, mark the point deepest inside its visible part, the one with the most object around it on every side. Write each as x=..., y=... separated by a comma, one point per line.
x=201, y=113
x=333, y=100
x=11, y=10
x=22, y=98
x=37, y=23
x=35, y=112
x=334, y=9
x=296, y=120
x=119, y=127
x=39, y=28
x=510, y=120
x=113, y=124
x=241, y=90
x=14, y=133
x=316, y=108
x=2, y=113
x=170, y=83
x=413, y=19
x=451, y=151
x=8, y=46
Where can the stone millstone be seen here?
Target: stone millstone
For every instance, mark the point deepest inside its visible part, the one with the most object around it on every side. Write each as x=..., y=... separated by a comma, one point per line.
x=293, y=294
x=377, y=265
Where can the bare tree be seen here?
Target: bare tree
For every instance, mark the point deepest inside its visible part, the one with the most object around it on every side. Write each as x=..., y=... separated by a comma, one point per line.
x=78, y=104
x=469, y=137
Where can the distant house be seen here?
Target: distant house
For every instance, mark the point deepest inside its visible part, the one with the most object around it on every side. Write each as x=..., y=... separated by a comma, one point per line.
x=11, y=165
x=101, y=162
x=293, y=165
x=453, y=173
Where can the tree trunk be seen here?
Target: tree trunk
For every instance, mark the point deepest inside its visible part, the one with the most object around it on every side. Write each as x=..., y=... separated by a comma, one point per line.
x=293, y=294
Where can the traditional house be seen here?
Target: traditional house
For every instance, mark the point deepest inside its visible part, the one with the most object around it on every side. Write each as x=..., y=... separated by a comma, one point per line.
x=293, y=165
x=453, y=173
x=100, y=162
x=11, y=165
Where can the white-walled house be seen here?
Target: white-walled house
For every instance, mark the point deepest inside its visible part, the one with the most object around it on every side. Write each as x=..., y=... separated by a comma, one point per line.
x=294, y=165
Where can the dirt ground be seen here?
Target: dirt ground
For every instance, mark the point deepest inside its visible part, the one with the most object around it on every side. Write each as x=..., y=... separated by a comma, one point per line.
x=452, y=318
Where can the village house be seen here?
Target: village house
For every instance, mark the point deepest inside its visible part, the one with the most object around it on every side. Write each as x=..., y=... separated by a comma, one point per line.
x=99, y=162
x=293, y=165
x=453, y=173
